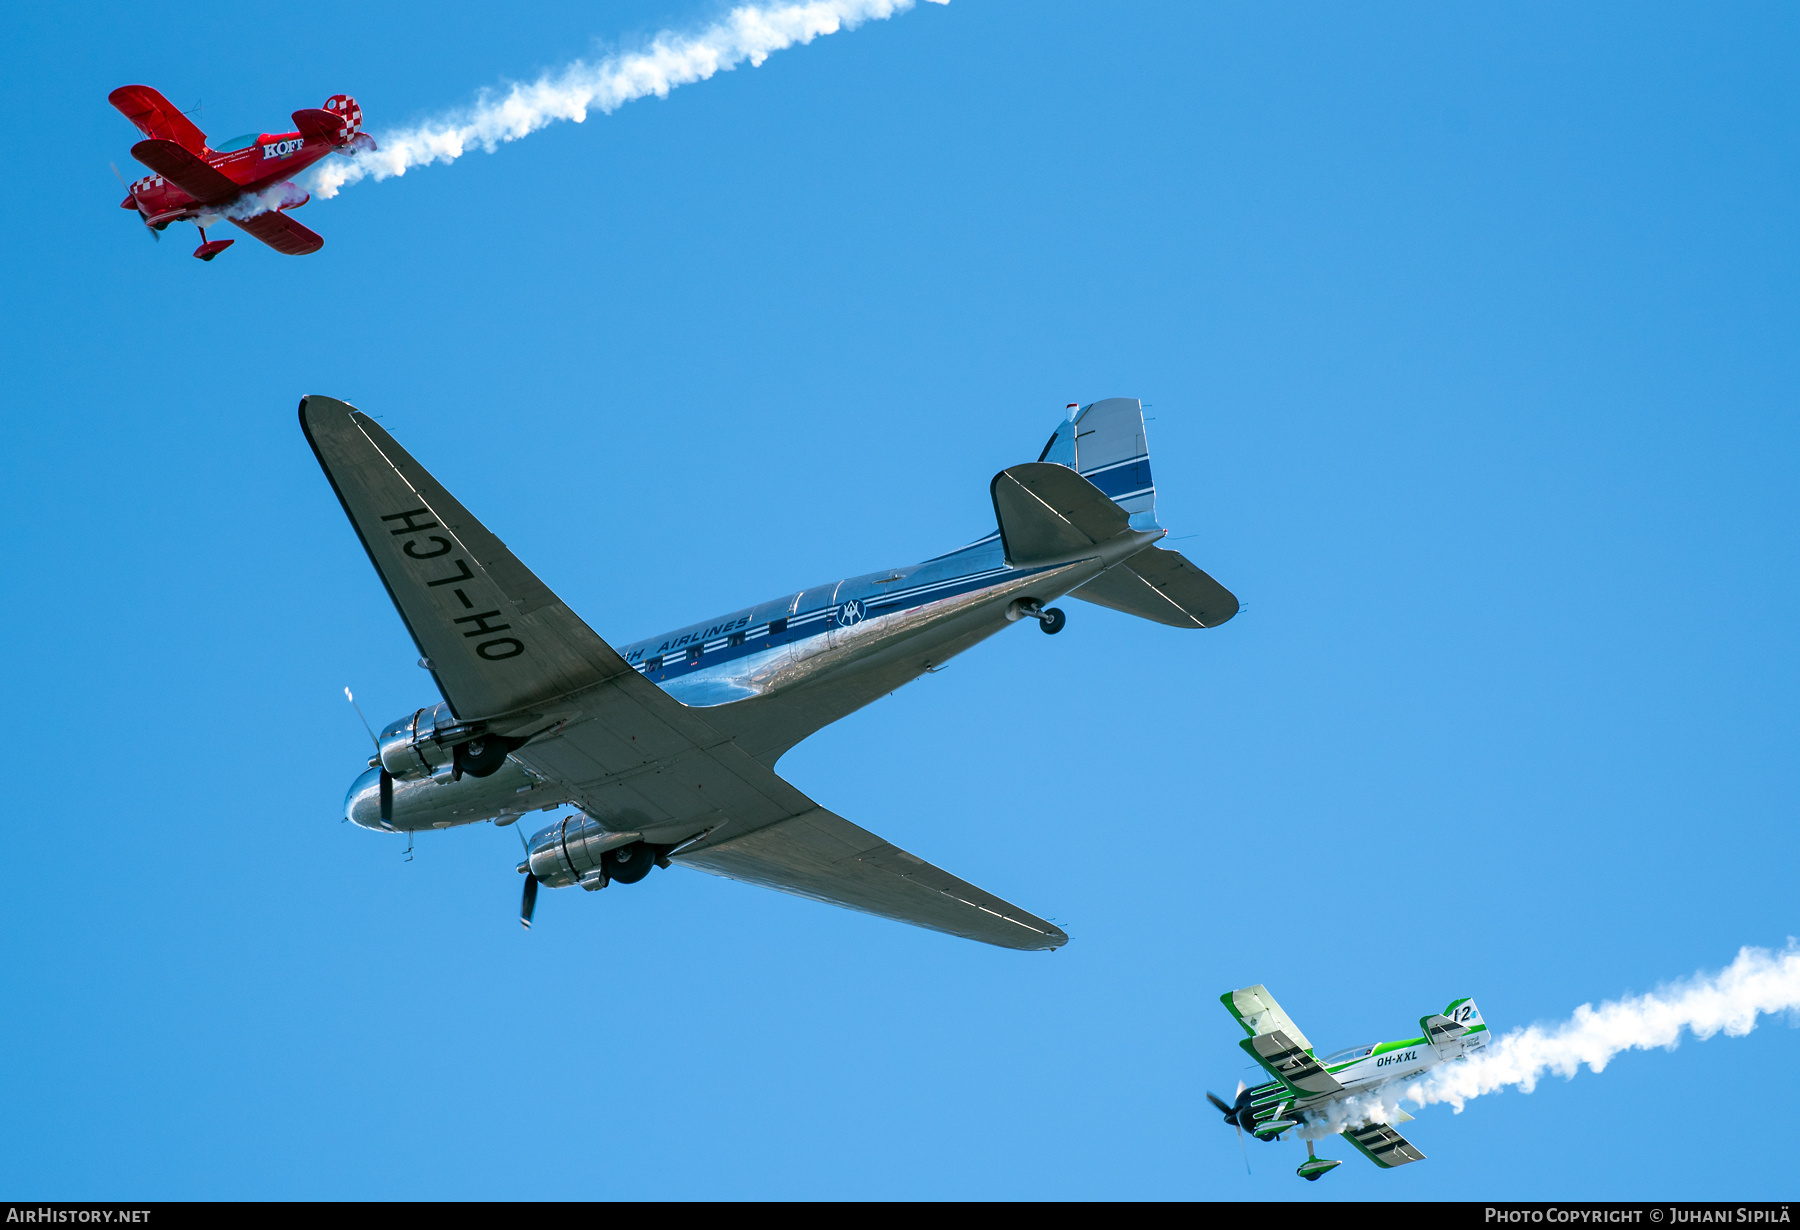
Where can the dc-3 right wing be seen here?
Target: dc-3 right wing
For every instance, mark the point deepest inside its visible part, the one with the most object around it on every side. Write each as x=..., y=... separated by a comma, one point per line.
x=509, y=655
x=1277, y=1044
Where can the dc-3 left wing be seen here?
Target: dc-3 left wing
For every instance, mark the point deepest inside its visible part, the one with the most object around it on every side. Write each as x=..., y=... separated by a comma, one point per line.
x=509, y=655
x=1277, y=1044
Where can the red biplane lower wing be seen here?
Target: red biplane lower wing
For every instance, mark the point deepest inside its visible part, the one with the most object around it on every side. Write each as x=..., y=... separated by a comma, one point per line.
x=155, y=116
x=281, y=233
x=187, y=171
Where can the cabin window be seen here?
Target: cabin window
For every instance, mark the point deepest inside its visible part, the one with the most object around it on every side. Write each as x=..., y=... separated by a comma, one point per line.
x=693, y=656
x=236, y=143
x=778, y=626
x=654, y=664
x=737, y=638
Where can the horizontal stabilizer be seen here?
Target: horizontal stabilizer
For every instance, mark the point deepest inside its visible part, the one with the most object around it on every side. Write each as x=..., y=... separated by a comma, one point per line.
x=186, y=170
x=155, y=116
x=1439, y=1030
x=1047, y=512
x=317, y=124
x=1384, y=1146
x=1163, y=586
x=282, y=233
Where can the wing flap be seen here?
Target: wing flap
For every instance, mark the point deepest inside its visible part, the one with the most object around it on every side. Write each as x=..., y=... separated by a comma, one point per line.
x=1382, y=1145
x=497, y=640
x=186, y=170
x=1163, y=586
x=282, y=233
x=155, y=116
x=825, y=857
x=1288, y=1062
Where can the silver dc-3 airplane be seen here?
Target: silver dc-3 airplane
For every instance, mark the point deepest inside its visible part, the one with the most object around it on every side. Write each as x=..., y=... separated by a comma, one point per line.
x=1333, y=1094
x=666, y=748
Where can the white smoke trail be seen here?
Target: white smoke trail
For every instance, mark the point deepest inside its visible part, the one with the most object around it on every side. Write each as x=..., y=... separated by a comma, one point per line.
x=285, y=195
x=749, y=32
x=1759, y=982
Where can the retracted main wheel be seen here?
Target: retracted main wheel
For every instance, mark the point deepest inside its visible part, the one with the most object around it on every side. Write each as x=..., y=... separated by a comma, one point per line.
x=1052, y=621
x=629, y=864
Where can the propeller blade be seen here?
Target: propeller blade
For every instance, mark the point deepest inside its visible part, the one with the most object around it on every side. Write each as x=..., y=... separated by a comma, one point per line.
x=1216, y=1100
x=347, y=694
x=387, y=796
x=529, y=905
x=145, y=218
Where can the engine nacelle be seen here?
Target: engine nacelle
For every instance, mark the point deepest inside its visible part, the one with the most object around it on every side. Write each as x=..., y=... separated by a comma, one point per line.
x=432, y=741
x=410, y=747
x=572, y=852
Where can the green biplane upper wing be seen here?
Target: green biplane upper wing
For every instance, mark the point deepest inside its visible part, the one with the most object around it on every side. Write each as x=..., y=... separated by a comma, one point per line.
x=1291, y=1064
x=1276, y=1042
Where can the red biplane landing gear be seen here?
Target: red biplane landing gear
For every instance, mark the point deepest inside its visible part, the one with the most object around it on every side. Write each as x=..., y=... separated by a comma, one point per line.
x=210, y=248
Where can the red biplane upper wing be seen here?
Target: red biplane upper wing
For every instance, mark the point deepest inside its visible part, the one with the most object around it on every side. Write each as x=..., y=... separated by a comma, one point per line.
x=187, y=171
x=281, y=233
x=155, y=116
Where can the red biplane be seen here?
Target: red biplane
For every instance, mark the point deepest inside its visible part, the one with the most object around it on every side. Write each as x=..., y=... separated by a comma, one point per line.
x=245, y=180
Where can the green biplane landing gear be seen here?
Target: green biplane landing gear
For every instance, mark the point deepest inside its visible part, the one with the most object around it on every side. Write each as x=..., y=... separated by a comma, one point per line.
x=1313, y=1167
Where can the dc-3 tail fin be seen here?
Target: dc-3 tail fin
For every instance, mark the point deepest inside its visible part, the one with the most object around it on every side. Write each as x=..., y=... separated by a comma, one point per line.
x=1105, y=444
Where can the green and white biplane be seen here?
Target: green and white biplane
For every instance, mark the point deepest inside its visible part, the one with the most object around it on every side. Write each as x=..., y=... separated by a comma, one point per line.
x=1333, y=1094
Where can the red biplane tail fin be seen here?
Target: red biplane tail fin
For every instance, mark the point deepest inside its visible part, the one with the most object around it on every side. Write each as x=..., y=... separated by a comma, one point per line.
x=158, y=118
x=344, y=107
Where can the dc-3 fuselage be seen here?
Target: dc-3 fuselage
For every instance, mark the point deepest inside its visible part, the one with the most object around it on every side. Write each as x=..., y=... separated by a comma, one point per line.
x=1340, y=1093
x=666, y=747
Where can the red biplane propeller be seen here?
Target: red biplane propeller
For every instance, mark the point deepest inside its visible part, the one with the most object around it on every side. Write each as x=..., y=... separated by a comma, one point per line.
x=132, y=193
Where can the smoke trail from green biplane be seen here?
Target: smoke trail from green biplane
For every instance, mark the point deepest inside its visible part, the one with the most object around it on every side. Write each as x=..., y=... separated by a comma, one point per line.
x=747, y=33
x=1759, y=983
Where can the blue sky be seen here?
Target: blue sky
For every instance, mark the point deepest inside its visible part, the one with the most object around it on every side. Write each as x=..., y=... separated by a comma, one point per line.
x=1467, y=337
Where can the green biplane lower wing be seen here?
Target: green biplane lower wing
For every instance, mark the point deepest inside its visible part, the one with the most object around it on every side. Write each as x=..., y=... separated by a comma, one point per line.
x=1382, y=1145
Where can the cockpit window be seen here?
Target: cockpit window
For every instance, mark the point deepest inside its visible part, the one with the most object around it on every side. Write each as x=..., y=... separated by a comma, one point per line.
x=1348, y=1056
x=236, y=143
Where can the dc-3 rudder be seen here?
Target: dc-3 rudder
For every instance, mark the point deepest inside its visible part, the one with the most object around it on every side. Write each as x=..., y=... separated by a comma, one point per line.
x=246, y=180
x=1341, y=1092
x=667, y=747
